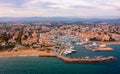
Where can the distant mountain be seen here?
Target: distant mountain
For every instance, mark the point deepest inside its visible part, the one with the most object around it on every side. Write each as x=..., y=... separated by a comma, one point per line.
x=42, y=19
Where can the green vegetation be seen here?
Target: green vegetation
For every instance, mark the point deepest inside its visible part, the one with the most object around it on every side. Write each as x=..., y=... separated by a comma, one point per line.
x=4, y=43
x=19, y=36
x=5, y=38
x=6, y=47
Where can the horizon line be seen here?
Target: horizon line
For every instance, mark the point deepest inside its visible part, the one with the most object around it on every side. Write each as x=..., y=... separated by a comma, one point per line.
x=60, y=17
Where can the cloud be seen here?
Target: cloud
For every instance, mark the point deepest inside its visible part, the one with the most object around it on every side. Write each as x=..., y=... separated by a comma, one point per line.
x=41, y=4
x=75, y=8
x=13, y=3
x=79, y=6
x=46, y=4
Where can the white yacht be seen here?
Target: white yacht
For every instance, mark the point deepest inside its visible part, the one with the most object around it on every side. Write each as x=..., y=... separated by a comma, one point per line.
x=69, y=51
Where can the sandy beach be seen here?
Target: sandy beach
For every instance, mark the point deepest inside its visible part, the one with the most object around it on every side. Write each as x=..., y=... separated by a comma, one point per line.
x=32, y=52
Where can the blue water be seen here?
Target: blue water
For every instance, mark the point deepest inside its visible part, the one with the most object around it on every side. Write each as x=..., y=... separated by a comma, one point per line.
x=52, y=65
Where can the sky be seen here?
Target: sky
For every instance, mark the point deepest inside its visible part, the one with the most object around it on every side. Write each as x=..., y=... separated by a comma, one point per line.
x=60, y=8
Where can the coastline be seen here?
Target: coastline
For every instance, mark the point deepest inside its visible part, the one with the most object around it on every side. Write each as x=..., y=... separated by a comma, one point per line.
x=33, y=52
x=38, y=53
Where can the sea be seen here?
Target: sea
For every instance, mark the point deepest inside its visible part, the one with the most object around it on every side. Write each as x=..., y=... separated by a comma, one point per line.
x=53, y=65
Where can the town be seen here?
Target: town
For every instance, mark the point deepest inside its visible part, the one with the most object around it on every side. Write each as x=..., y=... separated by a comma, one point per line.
x=56, y=38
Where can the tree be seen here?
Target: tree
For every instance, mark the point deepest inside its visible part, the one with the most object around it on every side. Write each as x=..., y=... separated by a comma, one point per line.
x=19, y=36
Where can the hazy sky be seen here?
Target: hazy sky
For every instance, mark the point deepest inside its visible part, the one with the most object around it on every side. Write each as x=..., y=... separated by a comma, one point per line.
x=49, y=8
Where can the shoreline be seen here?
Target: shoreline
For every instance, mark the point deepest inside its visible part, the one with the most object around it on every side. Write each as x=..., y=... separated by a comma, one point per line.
x=38, y=53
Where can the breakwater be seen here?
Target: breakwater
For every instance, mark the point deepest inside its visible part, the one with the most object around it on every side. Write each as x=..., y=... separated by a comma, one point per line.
x=86, y=60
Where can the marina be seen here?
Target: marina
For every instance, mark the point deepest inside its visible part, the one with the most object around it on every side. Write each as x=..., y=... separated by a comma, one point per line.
x=63, y=55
